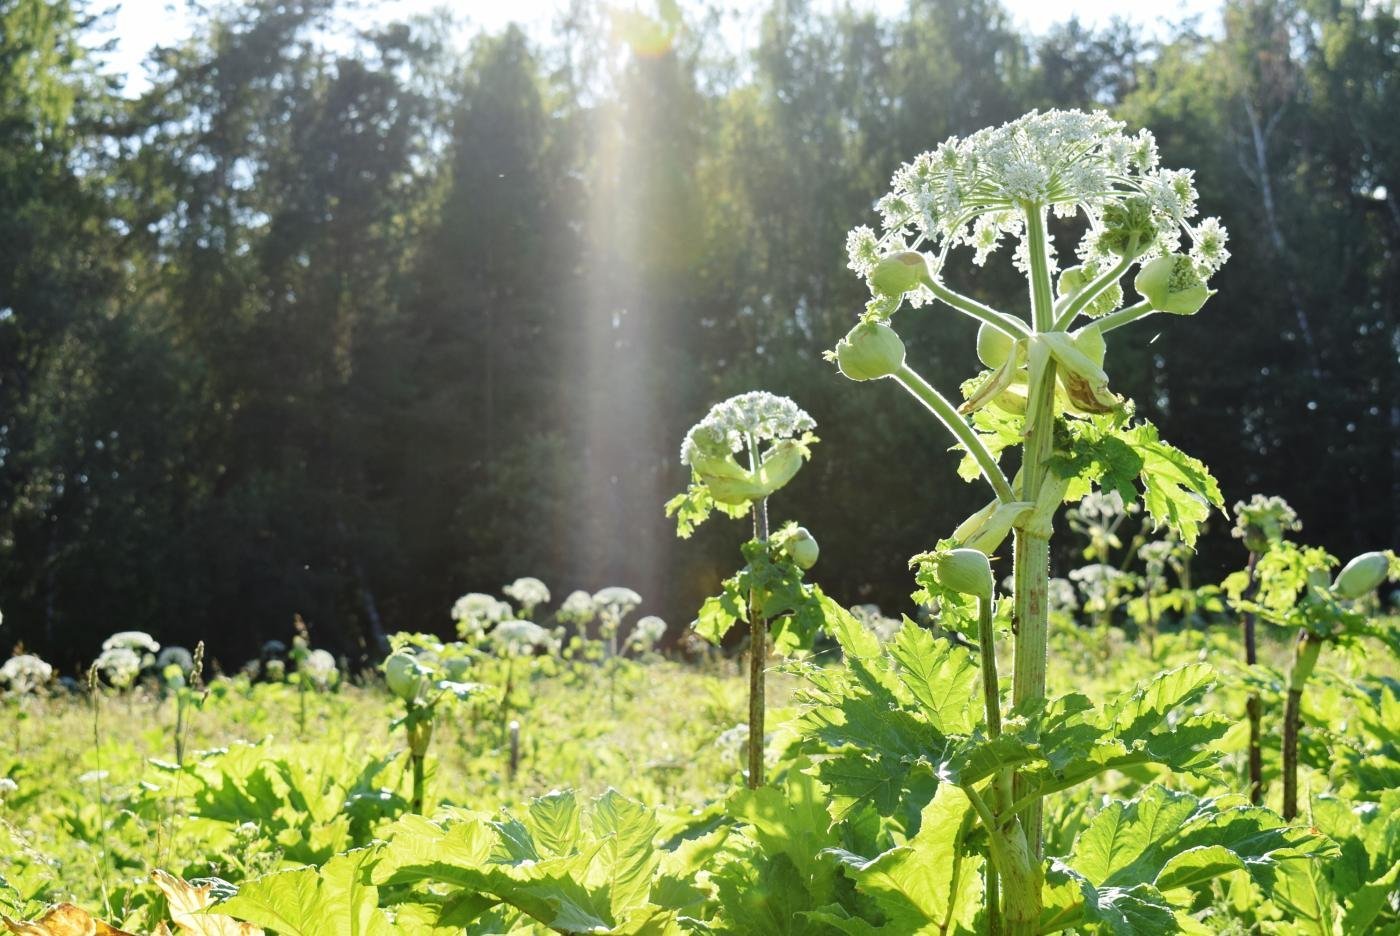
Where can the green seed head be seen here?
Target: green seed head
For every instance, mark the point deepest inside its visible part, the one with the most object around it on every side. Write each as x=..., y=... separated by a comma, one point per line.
x=1361, y=576
x=1128, y=226
x=1172, y=284
x=899, y=273
x=968, y=571
x=869, y=351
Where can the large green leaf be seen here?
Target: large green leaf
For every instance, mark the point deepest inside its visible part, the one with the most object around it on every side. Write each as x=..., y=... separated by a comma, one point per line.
x=941, y=676
x=335, y=900
x=929, y=885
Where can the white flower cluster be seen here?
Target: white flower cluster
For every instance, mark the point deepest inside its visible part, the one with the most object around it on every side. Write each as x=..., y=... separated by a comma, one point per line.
x=1155, y=554
x=875, y=621
x=517, y=638
x=1099, y=583
x=616, y=602
x=578, y=608
x=972, y=190
x=25, y=673
x=475, y=612
x=138, y=642
x=119, y=665
x=647, y=632
x=1061, y=595
x=1269, y=517
x=319, y=667
x=527, y=592
x=1099, y=508
x=755, y=417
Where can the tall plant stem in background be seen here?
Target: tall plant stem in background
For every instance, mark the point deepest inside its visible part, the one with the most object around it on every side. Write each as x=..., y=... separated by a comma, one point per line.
x=758, y=656
x=991, y=700
x=1305, y=653
x=101, y=793
x=1251, y=702
x=1032, y=546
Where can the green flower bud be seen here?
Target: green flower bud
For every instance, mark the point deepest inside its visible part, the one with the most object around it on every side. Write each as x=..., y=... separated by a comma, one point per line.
x=803, y=549
x=405, y=675
x=869, y=351
x=1072, y=279
x=1172, y=284
x=968, y=571
x=1361, y=576
x=1128, y=227
x=899, y=273
x=993, y=345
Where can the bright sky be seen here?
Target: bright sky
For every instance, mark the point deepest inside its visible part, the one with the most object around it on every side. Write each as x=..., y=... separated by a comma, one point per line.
x=141, y=24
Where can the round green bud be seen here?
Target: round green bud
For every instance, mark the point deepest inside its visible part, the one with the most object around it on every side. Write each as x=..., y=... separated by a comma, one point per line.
x=803, y=549
x=993, y=345
x=1128, y=227
x=1172, y=284
x=405, y=676
x=899, y=273
x=869, y=351
x=1072, y=279
x=967, y=571
x=1361, y=576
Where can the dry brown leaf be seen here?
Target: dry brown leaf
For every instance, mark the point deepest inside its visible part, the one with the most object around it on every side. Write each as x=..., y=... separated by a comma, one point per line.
x=186, y=903
x=63, y=920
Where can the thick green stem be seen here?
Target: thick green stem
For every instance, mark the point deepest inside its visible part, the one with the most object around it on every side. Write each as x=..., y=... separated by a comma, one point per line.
x=1032, y=547
x=1006, y=324
x=1252, y=706
x=948, y=415
x=758, y=657
x=1090, y=292
x=418, y=787
x=991, y=688
x=1124, y=316
x=1305, y=654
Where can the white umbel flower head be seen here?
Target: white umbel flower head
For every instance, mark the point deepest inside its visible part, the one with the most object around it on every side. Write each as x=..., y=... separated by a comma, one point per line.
x=730, y=425
x=319, y=667
x=578, y=608
x=972, y=191
x=614, y=603
x=25, y=673
x=475, y=612
x=647, y=632
x=119, y=666
x=518, y=638
x=137, y=641
x=529, y=593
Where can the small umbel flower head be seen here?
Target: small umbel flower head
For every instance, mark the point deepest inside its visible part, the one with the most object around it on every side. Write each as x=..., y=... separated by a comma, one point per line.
x=772, y=431
x=25, y=673
x=529, y=593
x=1262, y=521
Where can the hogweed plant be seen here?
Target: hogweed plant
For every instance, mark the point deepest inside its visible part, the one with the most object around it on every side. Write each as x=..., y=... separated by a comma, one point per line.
x=422, y=673
x=1260, y=524
x=1292, y=587
x=1045, y=391
x=744, y=450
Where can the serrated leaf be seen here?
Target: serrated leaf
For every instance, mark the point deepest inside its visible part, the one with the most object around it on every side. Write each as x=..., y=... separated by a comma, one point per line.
x=333, y=900
x=188, y=903
x=554, y=822
x=941, y=677
x=928, y=882
x=627, y=859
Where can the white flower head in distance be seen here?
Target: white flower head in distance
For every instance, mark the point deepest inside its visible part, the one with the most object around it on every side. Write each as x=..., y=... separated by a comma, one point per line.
x=25, y=673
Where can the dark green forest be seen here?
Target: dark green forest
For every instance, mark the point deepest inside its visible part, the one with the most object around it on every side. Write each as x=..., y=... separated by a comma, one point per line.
x=346, y=329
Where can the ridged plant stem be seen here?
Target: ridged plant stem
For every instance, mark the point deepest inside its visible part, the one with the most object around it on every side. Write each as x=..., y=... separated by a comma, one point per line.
x=1032, y=548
